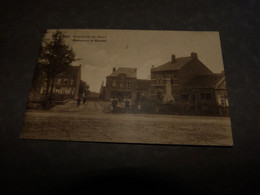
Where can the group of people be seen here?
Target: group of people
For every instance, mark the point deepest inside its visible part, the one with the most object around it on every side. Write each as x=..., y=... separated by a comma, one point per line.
x=84, y=100
x=117, y=107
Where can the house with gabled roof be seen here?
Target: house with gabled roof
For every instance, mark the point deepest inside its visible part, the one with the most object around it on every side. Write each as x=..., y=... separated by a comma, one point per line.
x=208, y=93
x=122, y=84
x=179, y=71
x=188, y=82
x=66, y=86
x=67, y=83
x=184, y=83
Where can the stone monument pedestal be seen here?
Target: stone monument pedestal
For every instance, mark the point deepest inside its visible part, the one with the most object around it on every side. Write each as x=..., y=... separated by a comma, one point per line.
x=168, y=93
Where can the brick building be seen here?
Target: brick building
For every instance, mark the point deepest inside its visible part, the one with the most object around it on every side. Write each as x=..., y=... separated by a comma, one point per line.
x=123, y=84
x=184, y=85
x=207, y=94
x=67, y=83
x=187, y=82
x=177, y=72
x=66, y=86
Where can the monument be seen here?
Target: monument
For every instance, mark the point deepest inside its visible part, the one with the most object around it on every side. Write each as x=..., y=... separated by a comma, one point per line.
x=168, y=92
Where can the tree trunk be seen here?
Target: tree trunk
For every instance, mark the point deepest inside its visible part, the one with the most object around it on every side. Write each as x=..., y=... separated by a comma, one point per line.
x=46, y=106
x=51, y=93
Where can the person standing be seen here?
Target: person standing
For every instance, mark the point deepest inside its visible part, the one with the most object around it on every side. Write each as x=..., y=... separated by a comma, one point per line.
x=114, y=104
x=126, y=105
x=78, y=101
x=84, y=100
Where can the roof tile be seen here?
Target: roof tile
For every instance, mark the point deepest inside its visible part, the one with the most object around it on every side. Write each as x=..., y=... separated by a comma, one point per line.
x=178, y=64
x=205, y=81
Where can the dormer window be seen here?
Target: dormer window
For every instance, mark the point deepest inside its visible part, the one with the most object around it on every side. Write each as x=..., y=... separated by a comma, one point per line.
x=122, y=76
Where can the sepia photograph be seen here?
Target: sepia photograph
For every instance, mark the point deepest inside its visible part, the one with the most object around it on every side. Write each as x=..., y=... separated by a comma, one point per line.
x=129, y=86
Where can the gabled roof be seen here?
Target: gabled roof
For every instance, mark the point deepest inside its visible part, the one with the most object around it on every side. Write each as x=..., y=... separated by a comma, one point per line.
x=129, y=72
x=206, y=81
x=176, y=65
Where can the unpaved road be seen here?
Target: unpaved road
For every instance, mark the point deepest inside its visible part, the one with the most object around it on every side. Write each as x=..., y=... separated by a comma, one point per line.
x=89, y=123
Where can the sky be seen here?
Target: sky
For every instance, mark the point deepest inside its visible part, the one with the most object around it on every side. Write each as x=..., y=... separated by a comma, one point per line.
x=99, y=51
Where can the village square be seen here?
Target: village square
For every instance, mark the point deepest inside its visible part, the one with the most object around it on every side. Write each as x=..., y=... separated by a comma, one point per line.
x=182, y=102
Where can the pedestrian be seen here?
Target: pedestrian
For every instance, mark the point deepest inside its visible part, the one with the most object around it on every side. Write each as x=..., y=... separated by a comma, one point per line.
x=84, y=100
x=78, y=101
x=126, y=105
x=139, y=107
x=118, y=106
x=114, y=104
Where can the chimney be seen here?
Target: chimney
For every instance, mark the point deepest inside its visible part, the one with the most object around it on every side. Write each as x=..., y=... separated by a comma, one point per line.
x=194, y=55
x=114, y=69
x=173, y=58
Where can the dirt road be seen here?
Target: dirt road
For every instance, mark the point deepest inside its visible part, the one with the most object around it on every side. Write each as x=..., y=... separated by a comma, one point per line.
x=89, y=123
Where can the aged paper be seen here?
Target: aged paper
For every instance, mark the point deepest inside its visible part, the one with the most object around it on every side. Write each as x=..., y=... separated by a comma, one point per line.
x=129, y=86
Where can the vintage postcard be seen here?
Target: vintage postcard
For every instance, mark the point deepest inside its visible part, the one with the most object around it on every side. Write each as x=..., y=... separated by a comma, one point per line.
x=129, y=86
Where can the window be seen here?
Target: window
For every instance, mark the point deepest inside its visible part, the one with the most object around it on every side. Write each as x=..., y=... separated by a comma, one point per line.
x=71, y=81
x=121, y=85
x=114, y=84
x=223, y=100
x=185, y=98
x=138, y=94
x=122, y=76
x=159, y=79
x=205, y=96
x=59, y=81
x=128, y=85
x=159, y=95
x=193, y=98
x=128, y=95
x=171, y=80
x=65, y=81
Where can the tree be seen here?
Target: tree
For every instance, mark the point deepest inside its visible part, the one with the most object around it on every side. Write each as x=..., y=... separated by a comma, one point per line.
x=83, y=88
x=55, y=57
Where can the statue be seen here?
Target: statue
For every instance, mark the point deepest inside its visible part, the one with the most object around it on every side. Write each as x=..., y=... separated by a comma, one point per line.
x=168, y=93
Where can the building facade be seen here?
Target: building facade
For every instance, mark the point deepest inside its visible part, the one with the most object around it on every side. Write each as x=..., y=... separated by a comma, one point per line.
x=123, y=85
x=182, y=85
x=66, y=86
x=176, y=72
x=189, y=84
x=206, y=94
